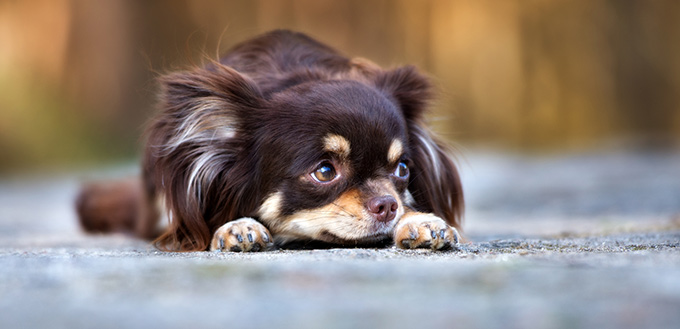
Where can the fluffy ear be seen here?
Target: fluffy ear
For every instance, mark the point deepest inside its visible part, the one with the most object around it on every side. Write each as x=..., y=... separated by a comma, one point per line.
x=410, y=89
x=191, y=150
x=435, y=183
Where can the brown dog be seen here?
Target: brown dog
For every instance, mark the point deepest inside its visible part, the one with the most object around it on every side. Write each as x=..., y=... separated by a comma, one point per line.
x=286, y=141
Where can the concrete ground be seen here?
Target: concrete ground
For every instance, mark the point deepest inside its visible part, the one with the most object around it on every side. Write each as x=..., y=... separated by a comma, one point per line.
x=587, y=240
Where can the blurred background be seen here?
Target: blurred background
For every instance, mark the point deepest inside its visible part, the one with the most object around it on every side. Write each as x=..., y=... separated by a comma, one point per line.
x=77, y=78
x=566, y=114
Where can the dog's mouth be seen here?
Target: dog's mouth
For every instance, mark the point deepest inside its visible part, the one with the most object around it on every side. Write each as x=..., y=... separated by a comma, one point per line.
x=351, y=220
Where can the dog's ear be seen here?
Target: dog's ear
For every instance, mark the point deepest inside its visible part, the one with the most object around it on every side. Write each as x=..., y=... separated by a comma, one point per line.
x=409, y=88
x=191, y=152
x=435, y=183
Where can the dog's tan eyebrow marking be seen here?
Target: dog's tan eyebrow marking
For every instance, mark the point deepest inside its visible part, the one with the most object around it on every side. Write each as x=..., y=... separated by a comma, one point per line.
x=336, y=144
x=395, y=151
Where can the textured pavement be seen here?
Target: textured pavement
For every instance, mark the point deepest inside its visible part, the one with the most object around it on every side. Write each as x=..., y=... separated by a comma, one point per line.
x=587, y=240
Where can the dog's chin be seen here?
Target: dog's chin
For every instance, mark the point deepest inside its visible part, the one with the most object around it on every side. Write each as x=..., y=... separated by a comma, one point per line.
x=333, y=232
x=344, y=222
x=329, y=237
x=327, y=240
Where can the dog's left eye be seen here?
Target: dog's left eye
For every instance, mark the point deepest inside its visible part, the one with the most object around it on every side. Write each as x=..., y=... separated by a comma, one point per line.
x=402, y=170
x=324, y=173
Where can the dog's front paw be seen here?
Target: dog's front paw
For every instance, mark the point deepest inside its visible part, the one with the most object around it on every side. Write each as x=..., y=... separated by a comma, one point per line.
x=425, y=231
x=245, y=234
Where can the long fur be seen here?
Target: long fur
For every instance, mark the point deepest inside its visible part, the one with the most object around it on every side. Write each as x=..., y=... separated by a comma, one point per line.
x=203, y=154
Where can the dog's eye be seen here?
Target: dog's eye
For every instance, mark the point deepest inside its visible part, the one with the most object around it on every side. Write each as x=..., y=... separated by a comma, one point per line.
x=324, y=173
x=402, y=170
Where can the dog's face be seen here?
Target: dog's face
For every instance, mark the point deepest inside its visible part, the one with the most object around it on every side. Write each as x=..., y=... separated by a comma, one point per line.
x=309, y=143
x=336, y=163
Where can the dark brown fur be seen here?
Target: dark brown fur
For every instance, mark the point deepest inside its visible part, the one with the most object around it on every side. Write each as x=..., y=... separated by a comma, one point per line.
x=243, y=121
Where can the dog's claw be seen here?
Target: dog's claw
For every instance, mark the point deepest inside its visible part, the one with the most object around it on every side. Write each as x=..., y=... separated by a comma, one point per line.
x=245, y=234
x=424, y=231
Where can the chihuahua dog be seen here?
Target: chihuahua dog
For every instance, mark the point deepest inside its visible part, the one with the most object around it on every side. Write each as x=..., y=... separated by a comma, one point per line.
x=284, y=141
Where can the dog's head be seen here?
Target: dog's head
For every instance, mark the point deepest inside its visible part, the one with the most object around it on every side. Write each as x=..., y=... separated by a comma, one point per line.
x=332, y=157
x=335, y=163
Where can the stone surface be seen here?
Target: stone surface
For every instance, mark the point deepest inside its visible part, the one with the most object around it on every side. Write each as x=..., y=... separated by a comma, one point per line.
x=587, y=241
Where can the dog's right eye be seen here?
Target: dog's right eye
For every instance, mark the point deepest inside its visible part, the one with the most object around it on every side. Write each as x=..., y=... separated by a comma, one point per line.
x=324, y=173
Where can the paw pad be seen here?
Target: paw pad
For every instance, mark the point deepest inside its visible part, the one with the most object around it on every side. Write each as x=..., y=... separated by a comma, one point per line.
x=425, y=231
x=242, y=235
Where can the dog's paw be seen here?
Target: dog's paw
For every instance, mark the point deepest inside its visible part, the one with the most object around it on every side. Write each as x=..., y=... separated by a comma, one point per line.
x=245, y=234
x=425, y=231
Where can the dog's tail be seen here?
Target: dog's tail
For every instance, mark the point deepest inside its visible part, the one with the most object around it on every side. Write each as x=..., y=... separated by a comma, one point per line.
x=117, y=207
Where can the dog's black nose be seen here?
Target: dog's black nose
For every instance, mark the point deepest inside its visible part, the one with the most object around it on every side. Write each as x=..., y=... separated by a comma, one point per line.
x=383, y=208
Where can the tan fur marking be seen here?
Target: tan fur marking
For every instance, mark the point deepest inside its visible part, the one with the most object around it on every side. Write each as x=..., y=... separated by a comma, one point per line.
x=362, y=68
x=424, y=230
x=337, y=144
x=350, y=203
x=270, y=209
x=408, y=199
x=395, y=151
x=346, y=217
x=245, y=234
